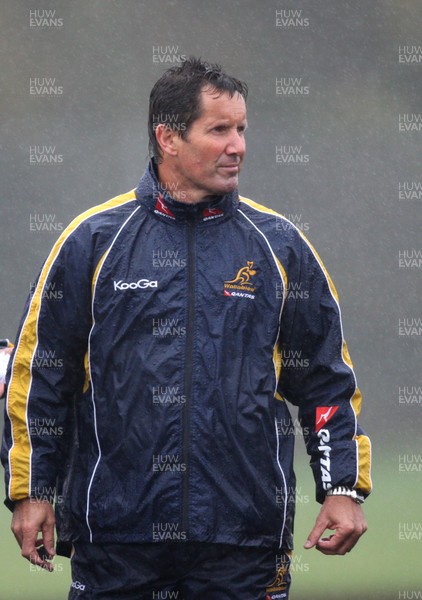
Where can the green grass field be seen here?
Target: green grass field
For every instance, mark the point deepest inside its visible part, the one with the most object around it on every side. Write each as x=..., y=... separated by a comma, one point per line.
x=381, y=567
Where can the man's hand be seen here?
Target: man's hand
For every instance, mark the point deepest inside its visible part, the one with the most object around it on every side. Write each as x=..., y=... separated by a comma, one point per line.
x=30, y=518
x=345, y=516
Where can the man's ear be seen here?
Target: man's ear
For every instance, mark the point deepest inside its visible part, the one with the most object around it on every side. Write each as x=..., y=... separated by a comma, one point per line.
x=166, y=139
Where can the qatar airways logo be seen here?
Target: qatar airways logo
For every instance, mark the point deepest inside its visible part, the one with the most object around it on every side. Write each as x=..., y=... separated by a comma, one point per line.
x=141, y=284
x=323, y=414
x=325, y=460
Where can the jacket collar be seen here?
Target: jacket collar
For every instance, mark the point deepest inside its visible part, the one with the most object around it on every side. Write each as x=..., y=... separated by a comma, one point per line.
x=159, y=201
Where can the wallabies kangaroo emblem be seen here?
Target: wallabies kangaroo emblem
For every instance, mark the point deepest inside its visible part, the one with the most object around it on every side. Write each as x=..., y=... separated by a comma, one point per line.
x=280, y=583
x=244, y=274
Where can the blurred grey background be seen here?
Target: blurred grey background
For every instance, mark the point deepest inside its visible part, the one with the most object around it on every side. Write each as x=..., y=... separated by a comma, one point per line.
x=336, y=82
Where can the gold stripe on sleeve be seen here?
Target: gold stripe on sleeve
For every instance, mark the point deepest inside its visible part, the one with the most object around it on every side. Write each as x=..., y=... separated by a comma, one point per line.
x=364, y=482
x=21, y=375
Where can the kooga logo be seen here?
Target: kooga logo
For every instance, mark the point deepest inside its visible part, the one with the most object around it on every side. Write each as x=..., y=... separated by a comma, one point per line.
x=78, y=585
x=141, y=284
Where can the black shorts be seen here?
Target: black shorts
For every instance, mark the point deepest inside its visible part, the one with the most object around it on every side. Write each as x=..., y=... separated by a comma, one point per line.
x=178, y=571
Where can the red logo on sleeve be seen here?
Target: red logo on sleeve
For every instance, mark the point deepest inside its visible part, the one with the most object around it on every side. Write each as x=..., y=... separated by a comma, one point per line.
x=323, y=415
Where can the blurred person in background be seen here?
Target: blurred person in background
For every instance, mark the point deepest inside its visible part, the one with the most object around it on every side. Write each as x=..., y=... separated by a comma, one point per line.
x=5, y=352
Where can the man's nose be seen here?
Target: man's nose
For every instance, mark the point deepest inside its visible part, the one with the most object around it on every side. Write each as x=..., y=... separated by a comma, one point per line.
x=236, y=144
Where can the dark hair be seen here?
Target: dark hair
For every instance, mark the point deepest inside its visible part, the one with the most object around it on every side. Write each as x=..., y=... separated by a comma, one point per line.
x=175, y=98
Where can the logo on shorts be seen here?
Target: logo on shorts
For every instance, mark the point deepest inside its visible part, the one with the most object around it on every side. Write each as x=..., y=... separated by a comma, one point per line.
x=77, y=585
x=279, y=586
x=241, y=286
x=323, y=415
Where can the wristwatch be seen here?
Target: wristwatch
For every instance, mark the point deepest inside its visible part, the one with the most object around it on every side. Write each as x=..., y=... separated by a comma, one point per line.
x=341, y=490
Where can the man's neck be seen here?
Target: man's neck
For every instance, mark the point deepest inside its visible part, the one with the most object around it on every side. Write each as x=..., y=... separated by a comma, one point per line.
x=177, y=190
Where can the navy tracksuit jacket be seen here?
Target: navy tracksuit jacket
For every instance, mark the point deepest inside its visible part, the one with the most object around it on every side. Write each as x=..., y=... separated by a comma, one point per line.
x=148, y=386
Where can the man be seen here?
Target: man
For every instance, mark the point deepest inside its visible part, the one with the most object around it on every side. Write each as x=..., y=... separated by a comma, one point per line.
x=171, y=344
x=5, y=352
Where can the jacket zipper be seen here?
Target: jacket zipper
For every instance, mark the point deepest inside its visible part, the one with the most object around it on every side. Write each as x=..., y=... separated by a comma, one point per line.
x=190, y=327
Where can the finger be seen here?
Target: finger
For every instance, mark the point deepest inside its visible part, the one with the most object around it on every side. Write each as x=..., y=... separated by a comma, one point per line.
x=28, y=546
x=30, y=542
x=48, y=537
x=316, y=533
x=38, y=556
x=41, y=560
x=31, y=553
x=337, y=544
x=340, y=543
x=328, y=547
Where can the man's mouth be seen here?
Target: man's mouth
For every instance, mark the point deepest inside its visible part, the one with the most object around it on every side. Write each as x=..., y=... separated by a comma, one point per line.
x=231, y=168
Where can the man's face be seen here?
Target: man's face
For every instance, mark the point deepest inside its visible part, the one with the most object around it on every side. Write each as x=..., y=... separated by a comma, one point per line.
x=208, y=161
